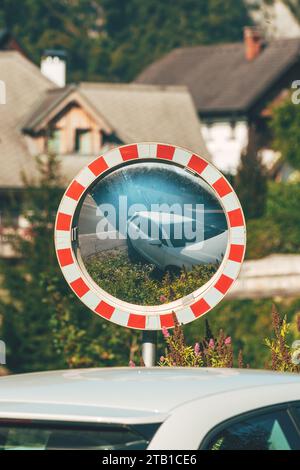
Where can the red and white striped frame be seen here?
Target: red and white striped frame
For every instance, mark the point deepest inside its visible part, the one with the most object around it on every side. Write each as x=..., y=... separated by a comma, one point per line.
x=190, y=307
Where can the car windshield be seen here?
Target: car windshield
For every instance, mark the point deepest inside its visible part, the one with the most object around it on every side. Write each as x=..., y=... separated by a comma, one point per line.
x=50, y=436
x=179, y=240
x=212, y=231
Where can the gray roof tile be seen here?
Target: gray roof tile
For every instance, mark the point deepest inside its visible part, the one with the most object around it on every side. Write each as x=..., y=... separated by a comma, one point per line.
x=134, y=112
x=219, y=77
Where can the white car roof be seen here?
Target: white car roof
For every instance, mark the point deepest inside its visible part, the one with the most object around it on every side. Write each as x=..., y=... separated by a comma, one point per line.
x=164, y=217
x=123, y=394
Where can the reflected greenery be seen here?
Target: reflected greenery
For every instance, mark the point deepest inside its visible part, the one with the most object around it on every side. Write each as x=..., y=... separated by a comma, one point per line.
x=141, y=283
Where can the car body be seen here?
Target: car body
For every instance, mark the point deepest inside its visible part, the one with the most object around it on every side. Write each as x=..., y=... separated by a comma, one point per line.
x=155, y=408
x=165, y=250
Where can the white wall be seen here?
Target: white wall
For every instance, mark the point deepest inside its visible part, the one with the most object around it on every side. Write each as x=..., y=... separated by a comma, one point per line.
x=276, y=19
x=226, y=143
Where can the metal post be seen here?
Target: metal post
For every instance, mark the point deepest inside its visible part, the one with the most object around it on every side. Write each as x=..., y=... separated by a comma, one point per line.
x=149, y=348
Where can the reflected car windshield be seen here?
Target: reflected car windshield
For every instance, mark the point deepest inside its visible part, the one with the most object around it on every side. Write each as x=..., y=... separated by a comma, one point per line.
x=180, y=241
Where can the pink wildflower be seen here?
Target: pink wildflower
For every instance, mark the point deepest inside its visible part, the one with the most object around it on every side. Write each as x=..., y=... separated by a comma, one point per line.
x=165, y=332
x=211, y=344
x=227, y=341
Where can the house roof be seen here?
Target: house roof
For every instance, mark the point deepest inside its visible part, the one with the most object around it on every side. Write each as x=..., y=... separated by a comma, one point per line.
x=219, y=77
x=24, y=83
x=132, y=112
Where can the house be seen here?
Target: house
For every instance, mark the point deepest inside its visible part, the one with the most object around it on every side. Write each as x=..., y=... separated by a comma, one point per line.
x=233, y=87
x=78, y=122
x=277, y=18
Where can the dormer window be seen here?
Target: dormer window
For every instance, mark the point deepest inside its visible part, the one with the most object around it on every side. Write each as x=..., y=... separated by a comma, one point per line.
x=83, y=141
x=54, y=141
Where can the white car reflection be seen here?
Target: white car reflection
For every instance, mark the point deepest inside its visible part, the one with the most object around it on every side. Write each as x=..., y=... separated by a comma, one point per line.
x=165, y=250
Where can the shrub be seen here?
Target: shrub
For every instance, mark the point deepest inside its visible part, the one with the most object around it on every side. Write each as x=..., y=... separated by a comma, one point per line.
x=285, y=126
x=264, y=238
x=251, y=179
x=282, y=354
x=141, y=283
x=209, y=352
x=218, y=352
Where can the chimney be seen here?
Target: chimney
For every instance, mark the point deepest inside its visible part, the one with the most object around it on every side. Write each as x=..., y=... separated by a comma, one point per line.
x=253, y=42
x=53, y=66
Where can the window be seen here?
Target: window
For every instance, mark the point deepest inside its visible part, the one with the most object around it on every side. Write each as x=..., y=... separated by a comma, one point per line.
x=177, y=236
x=83, y=142
x=54, y=141
x=297, y=410
x=212, y=231
x=232, y=131
x=271, y=430
x=50, y=437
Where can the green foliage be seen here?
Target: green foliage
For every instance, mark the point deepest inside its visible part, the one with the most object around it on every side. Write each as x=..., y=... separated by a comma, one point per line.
x=218, y=352
x=178, y=354
x=115, y=39
x=210, y=352
x=24, y=310
x=251, y=181
x=285, y=126
x=279, y=345
x=283, y=210
x=264, y=237
x=279, y=230
x=43, y=324
x=142, y=31
x=141, y=283
x=72, y=25
x=248, y=322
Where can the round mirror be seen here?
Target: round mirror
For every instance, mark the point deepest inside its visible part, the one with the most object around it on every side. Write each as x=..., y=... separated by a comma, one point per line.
x=150, y=233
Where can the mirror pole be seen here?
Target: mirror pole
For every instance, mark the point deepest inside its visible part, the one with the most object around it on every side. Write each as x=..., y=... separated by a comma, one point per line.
x=149, y=348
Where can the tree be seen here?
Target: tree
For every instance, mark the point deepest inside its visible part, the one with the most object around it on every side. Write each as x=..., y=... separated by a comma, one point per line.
x=24, y=311
x=141, y=32
x=285, y=126
x=44, y=325
x=283, y=210
x=251, y=180
x=114, y=40
x=72, y=25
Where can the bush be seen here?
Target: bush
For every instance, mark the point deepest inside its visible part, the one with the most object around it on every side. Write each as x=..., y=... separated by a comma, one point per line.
x=209, y=352
x=251, y=180
x=283, y=210
x=285, y=126
x=284, y=358
x=279, y=230
x=140, y=283
x=264, y=237
x=218, y=352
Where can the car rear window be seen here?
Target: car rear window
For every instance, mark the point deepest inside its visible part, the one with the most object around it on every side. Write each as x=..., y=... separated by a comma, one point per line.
x=43, y=436
x=271, y=430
